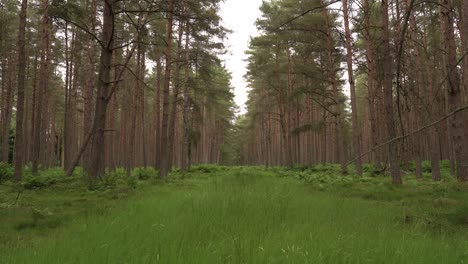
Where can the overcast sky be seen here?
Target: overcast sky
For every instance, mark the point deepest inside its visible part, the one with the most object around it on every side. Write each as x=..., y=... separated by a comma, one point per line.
x=239, y=16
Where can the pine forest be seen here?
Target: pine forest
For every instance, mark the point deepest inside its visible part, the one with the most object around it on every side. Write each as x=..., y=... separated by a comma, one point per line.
x=149, y=131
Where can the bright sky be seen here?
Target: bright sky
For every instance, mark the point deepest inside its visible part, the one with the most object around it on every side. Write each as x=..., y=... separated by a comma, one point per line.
x=239, y=16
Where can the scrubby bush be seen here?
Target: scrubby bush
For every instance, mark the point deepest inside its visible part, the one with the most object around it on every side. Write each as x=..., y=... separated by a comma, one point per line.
x=426, y=167
x=44, y=178
x=207, y=168
x=6, y=171
x=119, y=177
x=144, y=173
x=115, y=177
x=371, y=170
x=79, y=173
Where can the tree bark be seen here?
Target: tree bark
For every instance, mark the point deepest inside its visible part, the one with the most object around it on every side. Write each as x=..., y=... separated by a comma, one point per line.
x=157, y=112
x=43, y=83
x=88, y=91
x=388, y=97
x=187, y=149
x=175, y=97
x=165, y=159
x=19, y=148
x=7, y=109
x=454, y=91
x=97, y=166
x=352, y=88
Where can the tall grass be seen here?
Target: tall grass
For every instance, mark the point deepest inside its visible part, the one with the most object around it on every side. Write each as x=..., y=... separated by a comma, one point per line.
x=244, y=216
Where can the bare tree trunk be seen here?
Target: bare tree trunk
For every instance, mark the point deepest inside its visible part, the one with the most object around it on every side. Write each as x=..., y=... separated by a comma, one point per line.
x=352, y=87
x=43, y=82
x=143, y=107
x=88, y=93
x=19, y=148
x=66, y=119
x=416, y=92
x=131, y=159
x=371, y=85
x=165, y=159
x=388, y=97
x=454, y=91
x=157, y=112
x=7, y=109
x=97, y=158
x=464, y=37
x=186, y=149
x=175, y=96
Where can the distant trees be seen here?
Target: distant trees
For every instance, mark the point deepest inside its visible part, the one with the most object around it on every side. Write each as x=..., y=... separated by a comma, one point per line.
x=103, y=109
x=407, y=85
x=107, y=83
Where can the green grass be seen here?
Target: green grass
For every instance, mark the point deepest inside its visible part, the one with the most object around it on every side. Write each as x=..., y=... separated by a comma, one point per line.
x=250, y=215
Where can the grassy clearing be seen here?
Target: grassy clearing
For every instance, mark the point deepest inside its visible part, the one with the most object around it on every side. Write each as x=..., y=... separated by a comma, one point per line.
x=256, y=215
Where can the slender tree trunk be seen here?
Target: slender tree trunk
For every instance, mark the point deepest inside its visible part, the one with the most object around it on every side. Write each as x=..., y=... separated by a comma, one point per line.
x=416, y=92
x=131, y=160
x=464, y=37
x=88, y=91
x=43, y=81
x=371, y=85
x=187, y=149
x=175, y=97
x=7, y=113
x=143, y=107
x=165, y=159
x=454, y=91
x=157, y=112
x=97, y=158
x=19, y=148
x=388, y=97
x=352, y=87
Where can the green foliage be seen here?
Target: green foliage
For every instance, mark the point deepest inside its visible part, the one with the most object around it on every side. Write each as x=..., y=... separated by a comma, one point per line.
x=371, y=170
x=45, y=178
x=79, y=173
x=6, y=171
x=145, y=173
x=207, y=168
x=460, y=215
x=113, y=178
x=249, y=215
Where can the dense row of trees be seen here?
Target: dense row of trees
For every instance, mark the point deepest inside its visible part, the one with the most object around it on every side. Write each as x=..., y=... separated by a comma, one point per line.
x=116, y=83
x=406, y=66
x=112, y=83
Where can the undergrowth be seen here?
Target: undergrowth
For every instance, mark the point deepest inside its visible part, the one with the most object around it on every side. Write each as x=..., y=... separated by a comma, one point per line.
x=217, y=214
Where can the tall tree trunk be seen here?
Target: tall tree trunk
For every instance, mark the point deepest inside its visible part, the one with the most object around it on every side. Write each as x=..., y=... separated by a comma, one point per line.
x=143, y=107
x=157, y=112
x=7, y=109
x=352, y=88
x=19, y=148
x=165, y=159
x=104, y=94
x=464, y=37
x=388, y=97
x=88, y=91
x=175, y=96
x=416, y=92
x=371, y=82
x=454, y=91
x=186, y=149
x=43, y=83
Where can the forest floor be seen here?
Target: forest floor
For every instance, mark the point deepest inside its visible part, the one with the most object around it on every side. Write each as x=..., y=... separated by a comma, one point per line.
x=236, y=215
